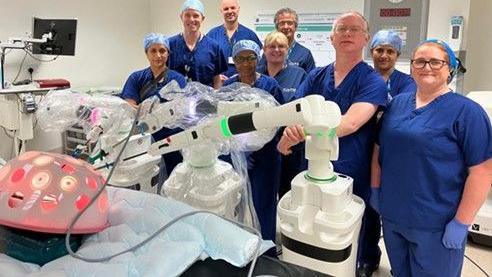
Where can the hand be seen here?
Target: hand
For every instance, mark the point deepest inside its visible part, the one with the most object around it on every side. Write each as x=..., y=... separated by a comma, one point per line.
x=294, y=134
x=223, y=78
x=374, y=200
x=284, y=146
x=455, y=234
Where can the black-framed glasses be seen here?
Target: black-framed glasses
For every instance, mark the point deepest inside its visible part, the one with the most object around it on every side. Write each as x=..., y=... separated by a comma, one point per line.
x=242, y=59
x=434, y=64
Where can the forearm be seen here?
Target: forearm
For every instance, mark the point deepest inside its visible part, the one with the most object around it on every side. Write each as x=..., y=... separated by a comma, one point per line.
x=357, y=115
x=375, y=168
x=477, y=187
x=346, y=127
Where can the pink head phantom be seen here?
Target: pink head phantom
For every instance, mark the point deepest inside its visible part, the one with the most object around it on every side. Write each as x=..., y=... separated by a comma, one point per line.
x=44, y=192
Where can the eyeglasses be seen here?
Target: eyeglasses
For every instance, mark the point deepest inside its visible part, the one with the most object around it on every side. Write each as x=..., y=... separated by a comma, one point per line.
x=242, y=59
x=342, y=29
x=434, y=64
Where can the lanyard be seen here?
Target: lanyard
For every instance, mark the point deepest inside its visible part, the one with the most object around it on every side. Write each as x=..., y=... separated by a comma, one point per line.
x=388, y=89
x=190, y=62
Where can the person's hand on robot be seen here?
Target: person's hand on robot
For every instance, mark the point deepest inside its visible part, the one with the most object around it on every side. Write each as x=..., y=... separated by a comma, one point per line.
x=291, y=136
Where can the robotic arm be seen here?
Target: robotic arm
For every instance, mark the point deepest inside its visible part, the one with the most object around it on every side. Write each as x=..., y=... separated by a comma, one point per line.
x=319, y=117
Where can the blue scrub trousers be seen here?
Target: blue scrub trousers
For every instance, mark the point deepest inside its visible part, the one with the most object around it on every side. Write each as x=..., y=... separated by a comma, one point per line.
x=370, y=233
x=264, y=175
x=415, y=252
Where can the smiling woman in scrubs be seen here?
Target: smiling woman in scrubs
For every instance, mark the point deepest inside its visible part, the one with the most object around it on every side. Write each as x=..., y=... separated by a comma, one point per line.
x=432, y=169
x=289, y=78
x=146, y=83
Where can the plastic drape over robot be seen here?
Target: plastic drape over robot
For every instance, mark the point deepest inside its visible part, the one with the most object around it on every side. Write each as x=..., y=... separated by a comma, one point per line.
x=202, y=180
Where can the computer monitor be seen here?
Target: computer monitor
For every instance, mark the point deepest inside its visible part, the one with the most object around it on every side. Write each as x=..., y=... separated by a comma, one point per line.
x=63, y=36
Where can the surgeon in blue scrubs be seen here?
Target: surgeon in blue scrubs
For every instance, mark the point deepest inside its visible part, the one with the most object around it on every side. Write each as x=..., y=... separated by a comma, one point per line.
x=432, y=169
x=358, y=90
x=264, y=164
x=286, y=21
x=197, y=57
x=230, y=32
x=139, y=86
x=385, y=50
x=289, y=78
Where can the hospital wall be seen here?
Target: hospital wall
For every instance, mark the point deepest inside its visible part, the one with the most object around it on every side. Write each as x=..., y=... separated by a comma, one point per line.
x=110, y=32
x=165, y=14
x=108, y=47
x=479, y=61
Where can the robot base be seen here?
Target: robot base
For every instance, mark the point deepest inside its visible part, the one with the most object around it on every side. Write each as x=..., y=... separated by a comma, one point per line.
x=320, y=224
x=216, y=188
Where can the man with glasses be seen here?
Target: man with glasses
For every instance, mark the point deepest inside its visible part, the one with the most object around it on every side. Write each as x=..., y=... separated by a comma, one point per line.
x=230, y=32
x=197, y=57
x=358, y=90
x=286, y=21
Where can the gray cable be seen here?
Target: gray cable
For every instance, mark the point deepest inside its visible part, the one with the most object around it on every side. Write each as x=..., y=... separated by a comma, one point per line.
x=473, y=262
x=76, y=218
x=167, y=225
x=20, y=68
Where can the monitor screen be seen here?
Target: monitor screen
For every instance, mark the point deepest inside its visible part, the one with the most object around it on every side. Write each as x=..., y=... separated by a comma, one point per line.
x=63, y=36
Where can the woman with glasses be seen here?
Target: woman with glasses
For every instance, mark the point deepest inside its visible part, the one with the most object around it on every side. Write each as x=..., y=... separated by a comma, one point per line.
x=385, y=50
x=289, y=78
x=148, y=82
x=264, y=164
x=432, y=169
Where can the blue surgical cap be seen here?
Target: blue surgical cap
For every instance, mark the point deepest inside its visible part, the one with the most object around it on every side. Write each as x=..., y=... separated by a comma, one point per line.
x=453, y=62
x=387, y=37
x=245, y=44
x=193, y=4
x=452, y=57
x=155, y=38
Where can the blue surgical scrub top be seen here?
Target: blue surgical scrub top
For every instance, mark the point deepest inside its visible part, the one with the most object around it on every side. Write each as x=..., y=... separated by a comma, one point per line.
x=219, y=34
x=202, y=64
x=362, y=84
x=289, y=79
x=298, y=55
x=265, y=83
x=137, y=80
x=425, y=154
x=399, y=82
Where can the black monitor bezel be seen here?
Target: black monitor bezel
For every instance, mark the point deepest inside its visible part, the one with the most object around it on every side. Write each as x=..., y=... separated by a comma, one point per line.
x=62, y=44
